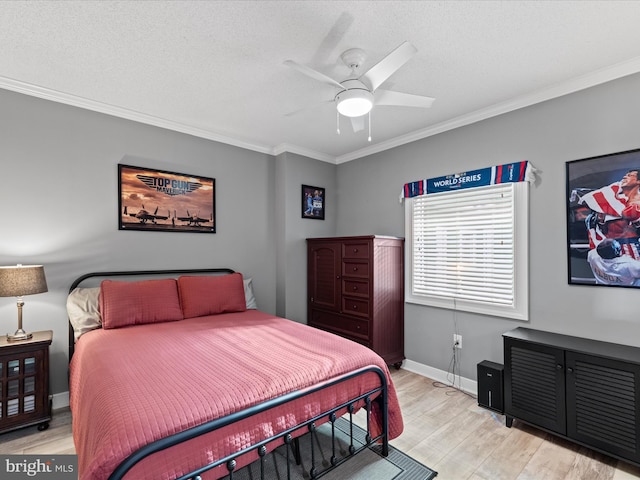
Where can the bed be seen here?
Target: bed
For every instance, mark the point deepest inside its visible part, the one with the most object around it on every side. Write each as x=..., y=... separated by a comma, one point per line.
x=180, y=380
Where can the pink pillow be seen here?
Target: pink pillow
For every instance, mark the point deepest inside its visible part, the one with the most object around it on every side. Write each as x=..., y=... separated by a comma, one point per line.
x=202, y=296
x=135, y=303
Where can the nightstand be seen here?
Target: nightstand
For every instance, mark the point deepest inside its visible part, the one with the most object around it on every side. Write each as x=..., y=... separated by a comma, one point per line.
x=24, y=382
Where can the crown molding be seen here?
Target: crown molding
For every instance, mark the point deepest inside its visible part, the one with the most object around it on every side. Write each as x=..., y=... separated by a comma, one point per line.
x=592, y=79
x=290, y=148
x=100, y=107
x=598, y=77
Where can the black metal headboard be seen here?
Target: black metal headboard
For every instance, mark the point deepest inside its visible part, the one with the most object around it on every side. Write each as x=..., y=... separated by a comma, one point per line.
x=138, y=273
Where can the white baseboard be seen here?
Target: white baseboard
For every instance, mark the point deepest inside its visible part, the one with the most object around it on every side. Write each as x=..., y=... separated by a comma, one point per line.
x=464, y=384
x=61, y=400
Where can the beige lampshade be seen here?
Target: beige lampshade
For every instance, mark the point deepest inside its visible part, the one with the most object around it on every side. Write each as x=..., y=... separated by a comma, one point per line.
x=19, y=280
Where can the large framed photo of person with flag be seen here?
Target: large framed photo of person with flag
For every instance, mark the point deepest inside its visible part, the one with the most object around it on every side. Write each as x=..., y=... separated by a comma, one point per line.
x=158, y=200
x=603, y=220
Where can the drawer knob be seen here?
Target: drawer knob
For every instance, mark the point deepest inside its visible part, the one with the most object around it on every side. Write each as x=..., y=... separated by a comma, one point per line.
x=355, y=269
x=355, y=288
x=355, y=250
x=355, y=307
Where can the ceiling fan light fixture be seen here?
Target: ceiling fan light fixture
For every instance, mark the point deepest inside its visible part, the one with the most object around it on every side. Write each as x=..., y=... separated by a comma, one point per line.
x=354, y=103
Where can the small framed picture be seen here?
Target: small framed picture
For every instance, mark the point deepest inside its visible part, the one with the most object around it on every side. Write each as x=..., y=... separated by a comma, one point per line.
x=313, y=202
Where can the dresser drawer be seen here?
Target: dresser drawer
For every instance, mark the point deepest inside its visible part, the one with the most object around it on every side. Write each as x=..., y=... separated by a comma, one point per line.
x=355, y=306
x=340, y=324
x=355, y=288
x=355, y=250
x=355, y=269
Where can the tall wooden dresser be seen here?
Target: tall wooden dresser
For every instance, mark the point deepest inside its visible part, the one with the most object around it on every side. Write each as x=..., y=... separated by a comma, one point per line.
x=355, y=288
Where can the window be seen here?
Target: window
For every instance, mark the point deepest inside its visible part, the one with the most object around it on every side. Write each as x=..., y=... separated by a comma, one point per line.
x=468, y=250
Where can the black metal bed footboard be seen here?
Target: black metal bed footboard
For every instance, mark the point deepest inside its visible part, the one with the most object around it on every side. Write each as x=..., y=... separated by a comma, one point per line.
x=378, y=394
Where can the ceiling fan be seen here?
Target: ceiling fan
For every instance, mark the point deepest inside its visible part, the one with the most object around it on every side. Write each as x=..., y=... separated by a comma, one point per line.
x=359, y=93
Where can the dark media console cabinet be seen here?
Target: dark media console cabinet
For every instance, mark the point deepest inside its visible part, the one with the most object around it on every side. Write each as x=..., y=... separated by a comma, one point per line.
x=583, y=390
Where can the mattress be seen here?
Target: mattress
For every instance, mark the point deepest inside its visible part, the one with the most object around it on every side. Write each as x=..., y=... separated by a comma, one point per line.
x=134, y=385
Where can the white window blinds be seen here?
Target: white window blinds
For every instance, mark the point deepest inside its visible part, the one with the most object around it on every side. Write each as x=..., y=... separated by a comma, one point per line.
x=468, y=249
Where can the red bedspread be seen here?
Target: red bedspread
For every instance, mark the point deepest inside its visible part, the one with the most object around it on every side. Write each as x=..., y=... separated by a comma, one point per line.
x=134, y=385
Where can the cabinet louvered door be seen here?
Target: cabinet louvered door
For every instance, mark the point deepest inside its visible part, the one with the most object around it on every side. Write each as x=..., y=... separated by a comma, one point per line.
x=602, y=403
x=534, y=384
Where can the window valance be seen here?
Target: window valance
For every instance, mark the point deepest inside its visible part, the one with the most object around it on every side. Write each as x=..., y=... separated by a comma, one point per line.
x=509, y=172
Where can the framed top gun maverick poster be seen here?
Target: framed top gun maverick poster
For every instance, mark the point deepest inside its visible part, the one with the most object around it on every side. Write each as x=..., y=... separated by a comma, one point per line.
x=161, y=201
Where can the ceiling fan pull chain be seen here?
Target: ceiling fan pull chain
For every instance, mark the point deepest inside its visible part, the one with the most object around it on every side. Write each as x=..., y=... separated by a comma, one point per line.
x=338, y=122
x=369, y=139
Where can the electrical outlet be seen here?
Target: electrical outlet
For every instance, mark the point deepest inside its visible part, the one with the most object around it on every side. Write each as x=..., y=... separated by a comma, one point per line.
x=457, y=340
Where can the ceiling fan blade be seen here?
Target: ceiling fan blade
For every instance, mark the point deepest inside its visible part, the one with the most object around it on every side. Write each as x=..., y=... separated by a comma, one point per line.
x=389, y=97
x=332, y=39
x=376, y=75
x=357, y=123
x=313, y=73
x=308, y=107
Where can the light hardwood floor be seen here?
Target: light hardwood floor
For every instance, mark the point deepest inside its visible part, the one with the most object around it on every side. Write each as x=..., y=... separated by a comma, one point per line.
x=444, y=428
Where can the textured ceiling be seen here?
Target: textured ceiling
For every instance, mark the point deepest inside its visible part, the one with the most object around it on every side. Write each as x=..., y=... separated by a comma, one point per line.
x=215, y=68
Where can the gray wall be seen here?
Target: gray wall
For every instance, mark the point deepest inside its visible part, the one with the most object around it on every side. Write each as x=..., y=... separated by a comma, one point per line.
x=293, y=171
x=59, y=199
x=600, y=120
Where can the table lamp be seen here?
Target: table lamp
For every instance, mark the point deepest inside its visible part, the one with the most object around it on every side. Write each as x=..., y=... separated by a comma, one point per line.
x=19, y=280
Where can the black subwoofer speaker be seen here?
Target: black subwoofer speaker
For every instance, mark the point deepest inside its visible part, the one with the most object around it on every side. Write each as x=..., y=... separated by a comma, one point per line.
x=490, y=380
